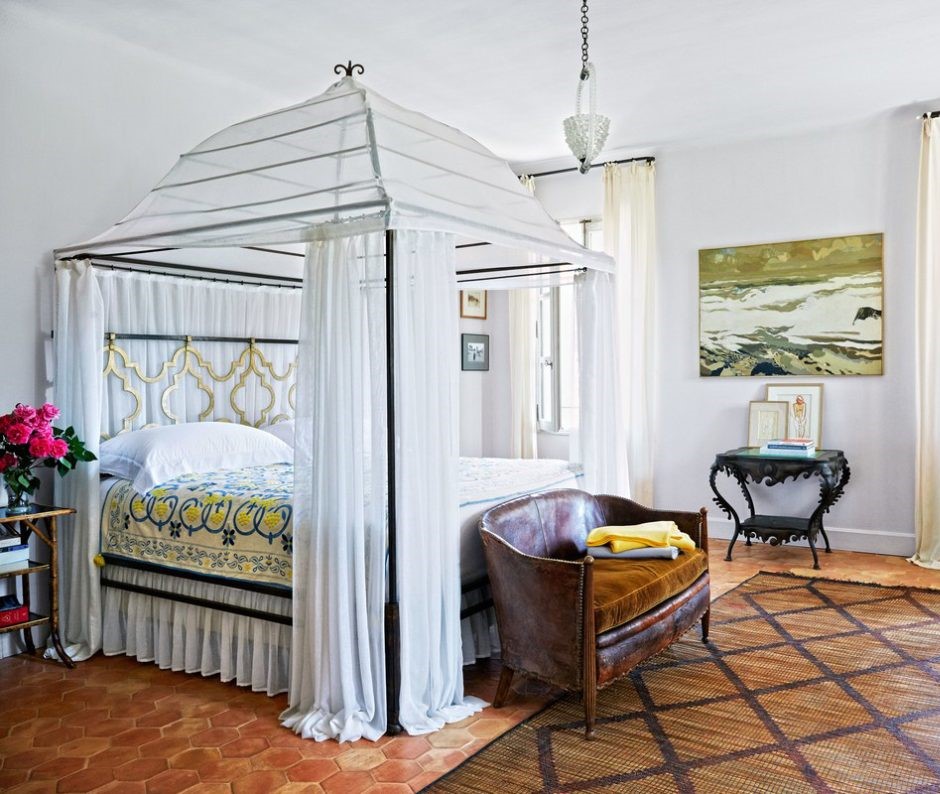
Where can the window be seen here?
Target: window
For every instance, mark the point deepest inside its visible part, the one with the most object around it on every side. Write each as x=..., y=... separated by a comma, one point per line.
x=558, y=401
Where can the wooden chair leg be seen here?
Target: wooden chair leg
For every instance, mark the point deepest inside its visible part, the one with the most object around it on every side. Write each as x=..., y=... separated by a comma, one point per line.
x=502, y=690
x=590, y=712
x=705, y=621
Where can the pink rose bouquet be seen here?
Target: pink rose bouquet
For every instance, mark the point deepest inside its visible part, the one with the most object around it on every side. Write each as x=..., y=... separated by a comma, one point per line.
x=29, y=440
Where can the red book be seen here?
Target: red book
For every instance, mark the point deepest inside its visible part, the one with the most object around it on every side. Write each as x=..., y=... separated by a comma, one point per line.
x=10, y=617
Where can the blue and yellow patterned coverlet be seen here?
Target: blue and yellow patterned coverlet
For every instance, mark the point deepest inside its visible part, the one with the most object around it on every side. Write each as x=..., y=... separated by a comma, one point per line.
x=234, y=524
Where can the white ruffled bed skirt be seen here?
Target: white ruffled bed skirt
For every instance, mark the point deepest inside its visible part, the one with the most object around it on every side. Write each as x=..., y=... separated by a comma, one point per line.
x=193, y=639
x=245, y=650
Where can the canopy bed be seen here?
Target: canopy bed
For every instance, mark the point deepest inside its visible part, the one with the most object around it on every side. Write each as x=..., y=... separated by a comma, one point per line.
x=389, y=211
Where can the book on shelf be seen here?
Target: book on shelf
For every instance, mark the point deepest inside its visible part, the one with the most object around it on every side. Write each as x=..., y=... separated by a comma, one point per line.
x=14, y=553
x=12, y=611
x=9, y=539
x=14, y=565
x=788, y=452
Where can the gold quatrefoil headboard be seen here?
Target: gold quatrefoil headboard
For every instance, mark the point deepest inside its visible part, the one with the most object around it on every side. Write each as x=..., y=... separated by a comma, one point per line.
x=154, y=379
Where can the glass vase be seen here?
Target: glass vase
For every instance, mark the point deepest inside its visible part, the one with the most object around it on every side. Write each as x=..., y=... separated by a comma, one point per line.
x=18, y=502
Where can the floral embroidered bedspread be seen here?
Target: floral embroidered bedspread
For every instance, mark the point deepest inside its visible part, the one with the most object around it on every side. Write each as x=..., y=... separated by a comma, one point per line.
x=234, y=524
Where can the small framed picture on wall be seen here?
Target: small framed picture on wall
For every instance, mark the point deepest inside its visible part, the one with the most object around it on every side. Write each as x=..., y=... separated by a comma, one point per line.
x=475, y=352
x=473, y=304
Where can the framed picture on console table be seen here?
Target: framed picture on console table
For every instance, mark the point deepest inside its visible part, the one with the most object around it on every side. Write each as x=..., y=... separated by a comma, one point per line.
x=804, y=412
x=766, y=421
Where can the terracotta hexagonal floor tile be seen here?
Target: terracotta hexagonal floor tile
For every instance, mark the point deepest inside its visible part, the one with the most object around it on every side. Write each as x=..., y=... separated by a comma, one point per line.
x=347, y=782
x=244, y=747
x=36, y=727
x=172, y=781
x=388, y=788
x=133, y=709
x=166, y=747
x=57, y=768
x=261, y=781
x=450, y=737
x=123, y=787
x=135, y=737
x=407, y=747
x=12, y=777
x=400, y=771
x=195, y=758
x=140, y=769
x=153, y=693
x=87, y=717
x=188, y=726
x=213, y=737
x=158, y=718
x=11, y=717
x=489, y=728
x=84, y=747
x=359, y=760
x=85, y=780
x=276, y=758
x=232, y=718
x=440, y=760
x=58, y=736
x=425, y=779
x=264, y=726
x=112, y=757
x=109, y=727
x=224, y=770
x=27, y=759
x=312, y=770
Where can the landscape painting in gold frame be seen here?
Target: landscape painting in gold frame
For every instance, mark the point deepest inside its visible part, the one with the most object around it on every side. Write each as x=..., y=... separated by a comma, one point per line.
x=809, y=307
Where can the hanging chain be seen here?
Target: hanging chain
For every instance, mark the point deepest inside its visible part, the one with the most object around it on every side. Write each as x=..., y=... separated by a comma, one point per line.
x=584, y=39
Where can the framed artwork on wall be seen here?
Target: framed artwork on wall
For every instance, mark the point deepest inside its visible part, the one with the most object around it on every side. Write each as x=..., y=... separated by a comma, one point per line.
x=473, y=304
x=475, y=352
x=804, y=408
x=807, y=307
x=766, y=421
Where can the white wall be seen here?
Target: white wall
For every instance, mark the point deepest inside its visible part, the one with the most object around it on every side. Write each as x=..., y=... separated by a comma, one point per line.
x=848, y=180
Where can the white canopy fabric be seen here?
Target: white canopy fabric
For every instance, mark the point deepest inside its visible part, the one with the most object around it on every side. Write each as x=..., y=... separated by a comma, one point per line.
x=345, y=162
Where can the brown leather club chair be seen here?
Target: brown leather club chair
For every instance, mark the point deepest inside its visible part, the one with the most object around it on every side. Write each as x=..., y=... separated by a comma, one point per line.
x=575, y=621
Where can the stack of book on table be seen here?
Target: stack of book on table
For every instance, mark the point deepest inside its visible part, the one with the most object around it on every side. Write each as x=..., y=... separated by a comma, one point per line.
x=790, y=447
x=14, y=553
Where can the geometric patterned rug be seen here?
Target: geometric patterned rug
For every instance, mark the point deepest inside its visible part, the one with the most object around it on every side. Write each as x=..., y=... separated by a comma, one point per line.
x=806, y=685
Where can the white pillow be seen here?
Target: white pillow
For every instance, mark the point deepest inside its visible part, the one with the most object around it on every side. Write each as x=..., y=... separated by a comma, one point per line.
x=282, y=430
x=157, y=454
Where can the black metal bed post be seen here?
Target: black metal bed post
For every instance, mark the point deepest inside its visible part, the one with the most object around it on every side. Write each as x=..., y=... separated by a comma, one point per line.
x=392, y=619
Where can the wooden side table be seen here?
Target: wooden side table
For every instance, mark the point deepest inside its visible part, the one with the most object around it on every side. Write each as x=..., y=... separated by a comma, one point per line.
x=747, y=463
x=41, y=521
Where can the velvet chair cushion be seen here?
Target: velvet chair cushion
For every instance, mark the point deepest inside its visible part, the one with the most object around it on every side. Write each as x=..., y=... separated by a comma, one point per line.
x=625, y=589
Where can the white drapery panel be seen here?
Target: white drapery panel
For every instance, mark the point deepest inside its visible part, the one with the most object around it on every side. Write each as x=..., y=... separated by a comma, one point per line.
x=603, y=446
x=89, y=303
x=523, y=365
x=337, y=662
x=927, y=506
x=426, y=399
x=630, y=238
x=80, y=319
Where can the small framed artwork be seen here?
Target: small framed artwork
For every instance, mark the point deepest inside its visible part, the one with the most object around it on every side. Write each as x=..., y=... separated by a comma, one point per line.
x=804, y=408
x=475, y=352
x=766, y=421
x=473, y=304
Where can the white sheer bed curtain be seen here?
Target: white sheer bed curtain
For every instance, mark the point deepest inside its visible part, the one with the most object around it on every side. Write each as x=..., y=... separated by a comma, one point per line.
x=603, y=432
x=338, y=671
x=523, y=365
x=630, y=238
x=927, y=505
x=91, y=302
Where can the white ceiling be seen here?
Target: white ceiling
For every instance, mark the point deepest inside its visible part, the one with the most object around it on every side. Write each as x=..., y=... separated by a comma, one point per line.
x=670, y=71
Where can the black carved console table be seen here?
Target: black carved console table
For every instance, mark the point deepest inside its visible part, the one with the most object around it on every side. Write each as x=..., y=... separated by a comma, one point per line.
x=747, y=463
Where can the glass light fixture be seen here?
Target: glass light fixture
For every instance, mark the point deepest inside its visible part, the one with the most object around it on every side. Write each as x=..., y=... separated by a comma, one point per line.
x=586, y=133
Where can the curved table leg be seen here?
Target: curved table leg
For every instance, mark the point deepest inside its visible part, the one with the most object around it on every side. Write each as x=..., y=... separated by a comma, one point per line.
x=812, y=548
x=726, y=507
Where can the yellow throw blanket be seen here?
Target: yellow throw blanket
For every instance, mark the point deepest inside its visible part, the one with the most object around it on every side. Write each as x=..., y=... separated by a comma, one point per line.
x=654, y=534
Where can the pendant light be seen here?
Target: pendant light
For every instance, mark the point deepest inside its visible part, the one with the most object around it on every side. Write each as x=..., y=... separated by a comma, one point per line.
x=586, y=133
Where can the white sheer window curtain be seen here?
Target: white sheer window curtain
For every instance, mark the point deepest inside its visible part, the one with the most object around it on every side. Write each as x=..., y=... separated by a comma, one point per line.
x=523, y=365
x=630, y=238
x=927, y=507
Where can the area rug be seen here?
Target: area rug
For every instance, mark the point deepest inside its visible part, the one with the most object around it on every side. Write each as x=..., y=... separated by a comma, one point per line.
x=807, y=685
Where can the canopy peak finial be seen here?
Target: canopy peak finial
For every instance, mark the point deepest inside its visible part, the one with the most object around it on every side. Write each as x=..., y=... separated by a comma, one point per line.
x=349, y=68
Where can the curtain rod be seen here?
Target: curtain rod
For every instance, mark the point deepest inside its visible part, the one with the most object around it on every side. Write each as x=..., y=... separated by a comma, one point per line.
x=522, y=275
x=647, y=159
x=247, y=340
x=287, y=282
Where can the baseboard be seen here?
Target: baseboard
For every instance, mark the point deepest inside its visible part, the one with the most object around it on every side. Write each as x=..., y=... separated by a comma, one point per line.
x=868, y=540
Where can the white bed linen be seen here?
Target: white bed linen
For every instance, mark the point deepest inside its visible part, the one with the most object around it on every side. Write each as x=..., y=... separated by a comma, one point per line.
x=257, y=653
